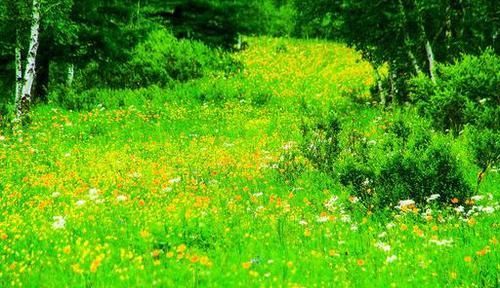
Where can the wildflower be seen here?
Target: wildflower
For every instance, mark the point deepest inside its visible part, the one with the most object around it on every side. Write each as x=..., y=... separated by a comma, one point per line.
x=93, y=194
x=433, y=197
x=246, y=265
x=382, y=235
x=390, y=225
x=76, y=268
x=360, y=262
x=353, y=199
x=460, y=209
x=391, y=258
x=96, y=263
x=405, y=204
x=174, y=180
x=383, y=246
x=454, y=200
x=121, y=198
x=67, y=249
x=468, y=259
x=80, y=202
x=59, y=222
x=303, y=222
x=2, y=138
x=181, y=248
x=443, y=242
x=322, y=219
x=307, y=233
x=488, y=210
x=331, y=202
x=56, y=194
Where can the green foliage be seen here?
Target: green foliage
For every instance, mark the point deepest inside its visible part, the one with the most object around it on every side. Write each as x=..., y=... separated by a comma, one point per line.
x=466, y=92
x=485, y=145
x=403, y=166
x=321, y=142
x=162, y=59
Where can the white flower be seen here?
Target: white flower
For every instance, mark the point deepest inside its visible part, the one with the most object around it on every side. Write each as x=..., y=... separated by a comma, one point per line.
x=258, y=194
x=2, y=138
x=322, y=219
x=488, y=209
x=382, y=235
x=303, y=222
x=354, y=227
x=345, y=218
x=403, y=204
x=391, y=258
x=390, y=225
x=433, y=197
x=443, y=242
x=383, y=246
x=59, y=222
x=477, y=197
x=331, y=202
x=460, y=209
x=121, y=198
x=56, y=194
x=93, y=193
x=174, y=180
x=80, y=202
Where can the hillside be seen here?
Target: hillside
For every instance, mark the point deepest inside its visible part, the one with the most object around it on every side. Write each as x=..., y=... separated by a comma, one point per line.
x=218, y=182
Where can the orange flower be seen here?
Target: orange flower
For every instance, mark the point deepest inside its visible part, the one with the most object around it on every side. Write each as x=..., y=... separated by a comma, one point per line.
x=246, y=265
x=181, y=248
x=468, y=259
x=454, y=200
x=360, y=262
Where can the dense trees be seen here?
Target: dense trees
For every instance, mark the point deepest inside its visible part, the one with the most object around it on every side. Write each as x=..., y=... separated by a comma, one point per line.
x=410, y=35
x=99, y=36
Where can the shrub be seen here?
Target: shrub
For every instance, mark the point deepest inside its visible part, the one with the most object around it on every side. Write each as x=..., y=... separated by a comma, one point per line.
x=161, y=58
x=321, y=142
x=466, y=92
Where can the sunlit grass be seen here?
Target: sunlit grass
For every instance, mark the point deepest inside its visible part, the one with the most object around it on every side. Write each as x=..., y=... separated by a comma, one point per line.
x=188, y=194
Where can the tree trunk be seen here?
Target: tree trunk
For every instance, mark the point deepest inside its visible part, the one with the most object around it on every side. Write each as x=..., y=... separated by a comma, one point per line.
x=407, y=41
x=70, y=75
x=19, y=79
x=29, y=74
x=414, y=61
x=430, y=58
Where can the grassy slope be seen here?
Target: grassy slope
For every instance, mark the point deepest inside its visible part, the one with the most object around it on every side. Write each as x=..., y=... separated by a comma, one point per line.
x=186, y=195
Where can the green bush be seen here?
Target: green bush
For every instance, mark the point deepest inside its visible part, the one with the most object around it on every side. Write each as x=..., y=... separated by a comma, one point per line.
x=161, y=59
x=404, y=166
x=321, y=142
x=467, y=92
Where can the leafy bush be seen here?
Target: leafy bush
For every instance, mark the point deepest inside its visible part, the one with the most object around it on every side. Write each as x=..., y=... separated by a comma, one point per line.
x=162, y=59
x=467, y=92
x=405, y=164
x=321, y=142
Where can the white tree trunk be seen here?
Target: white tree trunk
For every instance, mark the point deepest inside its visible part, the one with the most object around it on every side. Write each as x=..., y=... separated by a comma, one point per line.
x=29, y=74
x=19, y=79
x=430, y=58
x=71, y=75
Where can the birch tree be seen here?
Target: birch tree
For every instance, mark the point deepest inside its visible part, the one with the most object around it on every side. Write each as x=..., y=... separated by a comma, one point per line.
x=24, y=81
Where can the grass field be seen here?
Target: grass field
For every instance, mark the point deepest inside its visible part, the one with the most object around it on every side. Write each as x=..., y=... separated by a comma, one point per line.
x=169, y=190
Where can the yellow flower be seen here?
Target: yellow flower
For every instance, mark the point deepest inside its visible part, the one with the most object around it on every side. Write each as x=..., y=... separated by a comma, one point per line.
x=96, y=263
x=76, y=268
x=67, y=249
x=246, y=265
x=468, y=259
x=181, y=248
